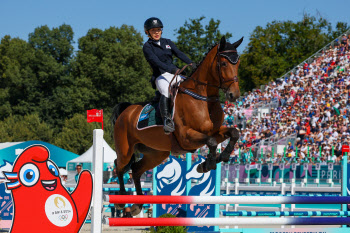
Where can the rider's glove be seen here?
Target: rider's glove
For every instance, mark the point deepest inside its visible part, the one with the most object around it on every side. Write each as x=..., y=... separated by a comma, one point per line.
x=193, y=65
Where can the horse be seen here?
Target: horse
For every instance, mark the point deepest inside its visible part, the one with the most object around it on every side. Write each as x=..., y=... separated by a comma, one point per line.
x=198, y=118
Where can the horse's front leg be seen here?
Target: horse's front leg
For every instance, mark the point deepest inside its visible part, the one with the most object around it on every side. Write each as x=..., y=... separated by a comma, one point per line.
x=194, y=137
x=210, y=162
x=223, y=134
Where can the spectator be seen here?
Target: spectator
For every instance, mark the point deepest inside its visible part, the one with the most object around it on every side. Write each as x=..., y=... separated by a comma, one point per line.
x=229, y=120
x=114, y=180
x=78, y=169
x=312, y=102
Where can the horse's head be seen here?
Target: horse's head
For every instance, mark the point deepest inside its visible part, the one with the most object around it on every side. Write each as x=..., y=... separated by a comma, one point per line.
x=227, y=62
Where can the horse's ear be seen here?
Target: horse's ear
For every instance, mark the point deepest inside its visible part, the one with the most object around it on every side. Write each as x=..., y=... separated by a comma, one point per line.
x=222, y=44
x=237, y=43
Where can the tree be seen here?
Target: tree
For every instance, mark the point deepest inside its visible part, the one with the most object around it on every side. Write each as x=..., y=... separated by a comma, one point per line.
x=25, y=128
x=56, y=42
x=29, y=79
x=340, y=28
x=194, y=38
x=110, y=64
x=76, y=135
x=280, y=46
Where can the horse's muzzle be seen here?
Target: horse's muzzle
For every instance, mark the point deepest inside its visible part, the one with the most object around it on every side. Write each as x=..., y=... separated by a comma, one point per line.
x=232, y=96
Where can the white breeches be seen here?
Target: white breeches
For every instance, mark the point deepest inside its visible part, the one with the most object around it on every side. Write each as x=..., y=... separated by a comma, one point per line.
x=163, y=81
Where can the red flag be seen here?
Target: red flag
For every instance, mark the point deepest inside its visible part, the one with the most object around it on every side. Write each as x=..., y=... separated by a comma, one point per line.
x=95, y=115
x=345, y=148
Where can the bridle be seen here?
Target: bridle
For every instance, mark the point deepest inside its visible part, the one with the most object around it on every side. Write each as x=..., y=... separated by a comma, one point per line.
x=221, y=79
x=218, y=66
x=233, y=79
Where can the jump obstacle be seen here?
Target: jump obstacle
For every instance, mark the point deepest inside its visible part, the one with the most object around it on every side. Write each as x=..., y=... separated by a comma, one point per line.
x=98, y=219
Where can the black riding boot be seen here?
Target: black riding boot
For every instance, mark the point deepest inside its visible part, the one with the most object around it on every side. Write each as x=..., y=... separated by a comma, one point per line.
x=169, y=126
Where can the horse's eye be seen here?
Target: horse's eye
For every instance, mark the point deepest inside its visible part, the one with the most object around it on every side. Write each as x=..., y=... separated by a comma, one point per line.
x=224, y=63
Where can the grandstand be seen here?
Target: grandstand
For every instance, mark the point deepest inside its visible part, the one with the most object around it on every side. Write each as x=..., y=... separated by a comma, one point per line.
x=305, y=113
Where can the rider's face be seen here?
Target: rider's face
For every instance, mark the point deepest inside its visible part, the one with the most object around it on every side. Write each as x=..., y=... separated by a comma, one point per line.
x=155, y=33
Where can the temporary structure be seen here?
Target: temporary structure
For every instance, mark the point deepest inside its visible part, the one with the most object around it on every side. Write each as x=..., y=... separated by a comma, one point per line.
x=85, y=160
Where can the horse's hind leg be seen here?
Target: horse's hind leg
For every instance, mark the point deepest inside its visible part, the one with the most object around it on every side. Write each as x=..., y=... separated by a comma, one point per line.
x=124, y=154
x=151, y=159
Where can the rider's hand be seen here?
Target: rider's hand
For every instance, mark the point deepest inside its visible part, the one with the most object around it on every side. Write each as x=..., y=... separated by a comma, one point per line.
x=193, y=65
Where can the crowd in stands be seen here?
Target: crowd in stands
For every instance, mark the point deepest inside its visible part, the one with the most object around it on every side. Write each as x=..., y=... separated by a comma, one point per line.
x=313, y=104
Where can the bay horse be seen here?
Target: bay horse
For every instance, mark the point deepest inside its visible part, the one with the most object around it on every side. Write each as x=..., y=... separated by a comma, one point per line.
x=198, y=118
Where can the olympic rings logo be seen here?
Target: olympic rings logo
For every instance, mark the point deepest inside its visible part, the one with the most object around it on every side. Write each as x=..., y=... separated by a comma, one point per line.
x=63, y=217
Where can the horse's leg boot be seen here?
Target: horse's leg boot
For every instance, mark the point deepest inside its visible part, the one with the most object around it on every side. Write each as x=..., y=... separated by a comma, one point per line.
x=202, y=168
x=211, y=163
x=169, y=126
x=207, y=165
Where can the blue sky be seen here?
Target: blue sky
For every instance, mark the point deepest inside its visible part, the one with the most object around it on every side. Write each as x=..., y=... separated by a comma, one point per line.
x=20, y=17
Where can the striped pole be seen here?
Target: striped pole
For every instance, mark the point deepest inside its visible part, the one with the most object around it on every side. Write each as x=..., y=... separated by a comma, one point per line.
x=286, y=213
x=344, y=181
x=148, y=199
x=224, y=221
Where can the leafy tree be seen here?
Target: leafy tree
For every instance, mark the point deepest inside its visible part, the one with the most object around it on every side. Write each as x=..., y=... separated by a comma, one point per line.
x=194, y=38
x=56, y=42
x=76, y=135
x=29, y=79
x=110, y=64
x=280, y=46
x=25, y=128
x=340, y=28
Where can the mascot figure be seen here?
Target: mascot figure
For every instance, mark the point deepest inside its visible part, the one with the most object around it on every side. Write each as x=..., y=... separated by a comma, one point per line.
x=41, y=202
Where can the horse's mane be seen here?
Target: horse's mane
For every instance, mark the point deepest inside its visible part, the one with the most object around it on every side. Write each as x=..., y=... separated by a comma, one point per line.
x=205, y=55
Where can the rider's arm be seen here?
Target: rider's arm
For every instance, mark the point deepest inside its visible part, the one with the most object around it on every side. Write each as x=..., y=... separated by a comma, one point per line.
x=154, y=60
x=178, y=53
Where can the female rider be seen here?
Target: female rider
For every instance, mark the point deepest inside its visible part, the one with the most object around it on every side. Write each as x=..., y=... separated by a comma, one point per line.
x=158, y=52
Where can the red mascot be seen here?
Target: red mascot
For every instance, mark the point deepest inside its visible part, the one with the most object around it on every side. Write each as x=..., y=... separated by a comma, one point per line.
x=41, y=202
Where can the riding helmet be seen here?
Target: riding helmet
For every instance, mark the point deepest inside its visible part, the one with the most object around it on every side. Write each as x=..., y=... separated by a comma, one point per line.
x=152, y=22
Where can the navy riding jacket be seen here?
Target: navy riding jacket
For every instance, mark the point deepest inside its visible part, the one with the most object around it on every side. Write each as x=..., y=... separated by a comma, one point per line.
x=161, y=57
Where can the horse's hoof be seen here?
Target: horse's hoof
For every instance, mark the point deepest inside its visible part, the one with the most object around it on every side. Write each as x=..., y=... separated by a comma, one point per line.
x=136, y=209
x=119, y=206
x=202, y=168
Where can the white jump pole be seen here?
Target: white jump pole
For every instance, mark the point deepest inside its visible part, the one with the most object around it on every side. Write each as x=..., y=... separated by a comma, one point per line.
x=96, y=218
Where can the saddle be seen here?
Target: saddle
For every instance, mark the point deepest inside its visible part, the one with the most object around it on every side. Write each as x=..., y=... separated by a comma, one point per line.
x=150, y=115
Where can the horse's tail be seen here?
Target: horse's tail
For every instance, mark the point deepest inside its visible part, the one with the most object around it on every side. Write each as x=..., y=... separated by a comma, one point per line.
x=117, y=110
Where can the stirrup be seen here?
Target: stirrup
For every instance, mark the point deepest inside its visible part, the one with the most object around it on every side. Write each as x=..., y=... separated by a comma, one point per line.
x=169, y=126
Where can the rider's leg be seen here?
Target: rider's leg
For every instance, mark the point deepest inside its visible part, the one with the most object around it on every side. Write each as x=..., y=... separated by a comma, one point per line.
x=162, y=83
x=169, y=126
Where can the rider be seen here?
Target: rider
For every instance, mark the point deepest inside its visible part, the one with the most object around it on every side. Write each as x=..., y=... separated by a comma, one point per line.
x=158, y=52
